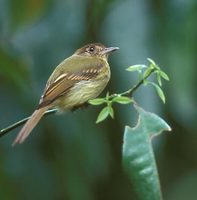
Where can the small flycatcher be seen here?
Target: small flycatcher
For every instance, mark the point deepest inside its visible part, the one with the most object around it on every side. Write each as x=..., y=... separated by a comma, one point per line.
x=77, y=79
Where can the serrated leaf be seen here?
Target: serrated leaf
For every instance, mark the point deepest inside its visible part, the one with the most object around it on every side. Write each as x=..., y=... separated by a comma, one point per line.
x=159, y=92
x=138, y=158
x=164, y=75
x=136, y=68
x=97, y=101
x=122, y=100
x=103, y=114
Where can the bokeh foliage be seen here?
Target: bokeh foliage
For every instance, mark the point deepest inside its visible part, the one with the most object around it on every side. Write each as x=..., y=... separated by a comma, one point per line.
x=69, y=156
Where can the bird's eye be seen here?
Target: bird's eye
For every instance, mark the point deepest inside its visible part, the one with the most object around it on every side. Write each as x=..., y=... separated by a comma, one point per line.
x=91, y=49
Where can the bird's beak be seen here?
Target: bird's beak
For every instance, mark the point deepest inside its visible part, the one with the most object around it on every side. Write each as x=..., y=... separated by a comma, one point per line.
x=108, y=50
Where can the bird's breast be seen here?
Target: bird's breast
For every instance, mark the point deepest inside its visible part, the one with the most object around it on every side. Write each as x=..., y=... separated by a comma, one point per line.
x=84, y=90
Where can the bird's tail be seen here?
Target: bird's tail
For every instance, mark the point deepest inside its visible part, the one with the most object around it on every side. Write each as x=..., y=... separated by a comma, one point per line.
x=30, y=124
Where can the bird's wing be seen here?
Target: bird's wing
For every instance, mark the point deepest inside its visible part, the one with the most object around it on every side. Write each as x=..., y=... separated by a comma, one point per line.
x=64, y=82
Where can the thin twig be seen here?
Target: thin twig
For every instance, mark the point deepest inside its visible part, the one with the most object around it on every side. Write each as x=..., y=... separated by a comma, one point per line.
x=126, y=93
x=134, y=88
x=21, y=122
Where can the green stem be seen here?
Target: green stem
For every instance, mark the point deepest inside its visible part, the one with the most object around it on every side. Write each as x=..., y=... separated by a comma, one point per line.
x=134, y=88
x=21, y=122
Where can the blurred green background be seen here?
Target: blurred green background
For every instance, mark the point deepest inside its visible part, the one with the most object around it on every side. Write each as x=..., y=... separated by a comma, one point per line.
x=69, y=156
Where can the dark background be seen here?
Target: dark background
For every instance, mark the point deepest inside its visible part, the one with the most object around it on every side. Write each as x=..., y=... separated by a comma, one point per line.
x=69, y=156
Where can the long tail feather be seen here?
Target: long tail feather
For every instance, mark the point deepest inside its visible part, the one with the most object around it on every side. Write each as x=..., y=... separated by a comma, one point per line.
x=30, y=124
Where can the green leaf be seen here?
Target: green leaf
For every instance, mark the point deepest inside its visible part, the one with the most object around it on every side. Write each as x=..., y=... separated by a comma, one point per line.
x=136, y=68
x=107, y=96
x=111, y=111
x=138, y=158
x=158, y=78
x=103, y=114
x=97, y=101
x=147, y=72
x=164, y=75
x=122, y=100
x=152, y=62
x=159, y=92
x=146, y=82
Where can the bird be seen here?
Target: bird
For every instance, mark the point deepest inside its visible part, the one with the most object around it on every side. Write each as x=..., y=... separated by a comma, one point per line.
x=76, y=80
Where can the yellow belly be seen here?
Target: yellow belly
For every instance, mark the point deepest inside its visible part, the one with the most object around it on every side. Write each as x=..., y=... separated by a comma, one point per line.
x=81, y=93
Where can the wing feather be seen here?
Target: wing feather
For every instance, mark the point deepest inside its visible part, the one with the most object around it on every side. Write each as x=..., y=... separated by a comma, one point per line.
x=64, y=82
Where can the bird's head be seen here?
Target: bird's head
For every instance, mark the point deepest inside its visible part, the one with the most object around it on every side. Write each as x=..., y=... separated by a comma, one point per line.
x=95, y=50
